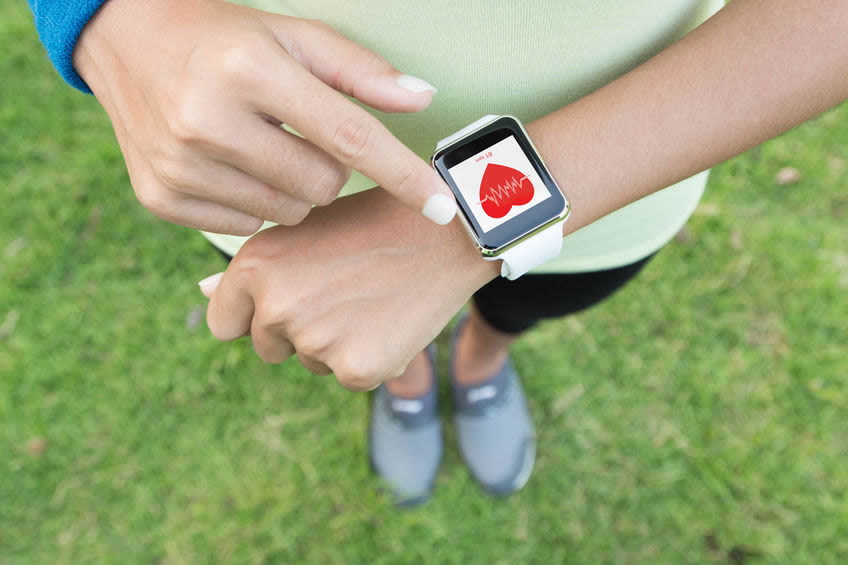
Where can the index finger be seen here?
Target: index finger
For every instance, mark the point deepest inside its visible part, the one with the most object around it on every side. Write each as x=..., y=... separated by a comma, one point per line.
x=360, y=141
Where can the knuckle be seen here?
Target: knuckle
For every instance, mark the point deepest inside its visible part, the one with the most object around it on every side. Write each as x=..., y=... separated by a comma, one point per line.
x=156, y=199
x=188, y=125
x=356, y=373
x=218, y=331
x=271, y=357
x=248, y=264
x=264, y=356
x=356, y=382
x=273, y=315
x=408, y=178
x=195, y=119
x=311, y=343
x=239, y=63
x=289, y=36
x=372, y=61
x=171, y=173
x=351, y=139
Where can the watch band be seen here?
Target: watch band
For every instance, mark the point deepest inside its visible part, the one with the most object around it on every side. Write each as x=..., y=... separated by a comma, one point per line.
x=522, y=257
x=466, y=130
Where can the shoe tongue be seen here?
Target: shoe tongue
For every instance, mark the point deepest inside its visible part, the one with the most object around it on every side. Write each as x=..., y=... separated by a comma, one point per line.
x=413, y=412
x=479, y=397
x=407, y=405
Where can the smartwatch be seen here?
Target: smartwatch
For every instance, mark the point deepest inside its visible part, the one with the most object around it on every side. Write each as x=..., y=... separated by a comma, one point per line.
x=508, y=200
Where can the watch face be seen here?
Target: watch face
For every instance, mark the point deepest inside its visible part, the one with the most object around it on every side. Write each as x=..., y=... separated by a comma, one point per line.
x=503, y=189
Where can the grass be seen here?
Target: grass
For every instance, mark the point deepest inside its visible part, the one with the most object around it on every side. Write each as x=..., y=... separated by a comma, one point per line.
x=699, y=416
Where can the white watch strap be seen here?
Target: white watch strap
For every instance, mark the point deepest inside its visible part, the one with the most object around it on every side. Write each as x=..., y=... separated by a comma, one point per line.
x=466, y=130
x=532, y=252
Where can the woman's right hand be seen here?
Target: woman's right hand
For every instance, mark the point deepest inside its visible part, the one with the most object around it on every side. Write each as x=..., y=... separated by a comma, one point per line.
x=197, y=90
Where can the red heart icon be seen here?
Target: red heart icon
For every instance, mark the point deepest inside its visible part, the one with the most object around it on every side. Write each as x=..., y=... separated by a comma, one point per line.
x=502, y=188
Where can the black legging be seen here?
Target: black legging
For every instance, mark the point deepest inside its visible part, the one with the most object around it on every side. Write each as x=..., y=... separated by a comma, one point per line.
x=516, y=306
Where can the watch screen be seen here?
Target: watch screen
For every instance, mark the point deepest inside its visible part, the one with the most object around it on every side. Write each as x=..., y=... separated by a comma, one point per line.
x=503, y=189
x=499, y=183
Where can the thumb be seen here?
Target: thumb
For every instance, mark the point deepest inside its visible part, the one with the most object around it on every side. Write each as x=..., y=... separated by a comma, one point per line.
x=349, y=67
x=209, y=284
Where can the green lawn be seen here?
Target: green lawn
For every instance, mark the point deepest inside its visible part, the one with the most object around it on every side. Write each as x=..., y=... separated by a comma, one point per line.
x=697, y=417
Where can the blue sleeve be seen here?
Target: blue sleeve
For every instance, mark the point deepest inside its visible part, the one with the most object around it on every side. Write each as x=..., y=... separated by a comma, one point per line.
x=59, y=24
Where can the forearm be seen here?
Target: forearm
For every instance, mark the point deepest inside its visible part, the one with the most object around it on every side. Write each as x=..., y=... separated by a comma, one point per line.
x=755, y=69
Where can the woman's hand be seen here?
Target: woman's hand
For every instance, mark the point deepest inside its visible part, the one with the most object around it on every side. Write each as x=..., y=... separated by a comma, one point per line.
x=357, y=289
x=197, y=90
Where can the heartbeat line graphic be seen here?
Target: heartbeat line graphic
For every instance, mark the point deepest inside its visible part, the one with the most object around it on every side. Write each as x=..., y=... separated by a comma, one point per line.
x=501, y=193
x=503, y=187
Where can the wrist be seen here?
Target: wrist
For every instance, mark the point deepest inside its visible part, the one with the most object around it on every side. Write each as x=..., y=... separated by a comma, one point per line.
x=94, y=41
x=470, y=260
x=448, y=248
x=119, y=26
x=516, y=215
x=549, y=144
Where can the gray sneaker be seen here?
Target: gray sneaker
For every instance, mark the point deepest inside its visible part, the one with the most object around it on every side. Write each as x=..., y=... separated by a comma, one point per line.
x=405, y=441
x=496, y=436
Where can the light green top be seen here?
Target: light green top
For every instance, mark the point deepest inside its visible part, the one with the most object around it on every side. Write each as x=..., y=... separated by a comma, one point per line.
x=527, y=58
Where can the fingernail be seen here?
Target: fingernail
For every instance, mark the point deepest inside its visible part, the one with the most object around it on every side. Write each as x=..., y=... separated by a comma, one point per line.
x=415, y=84
x=209, y=284
x=440, y=208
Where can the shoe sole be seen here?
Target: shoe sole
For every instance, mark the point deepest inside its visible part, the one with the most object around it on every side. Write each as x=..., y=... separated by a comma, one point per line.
x=508, y=487
x=404, y=503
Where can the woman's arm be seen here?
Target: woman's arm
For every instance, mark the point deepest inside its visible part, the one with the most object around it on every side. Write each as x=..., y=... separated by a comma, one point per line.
x=365, y=284
x=196, y=91
x=754, y=70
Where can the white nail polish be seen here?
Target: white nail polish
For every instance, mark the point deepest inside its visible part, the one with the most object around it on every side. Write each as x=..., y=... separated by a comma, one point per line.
x=440, y=208
x=210, y=283
x=415, y=84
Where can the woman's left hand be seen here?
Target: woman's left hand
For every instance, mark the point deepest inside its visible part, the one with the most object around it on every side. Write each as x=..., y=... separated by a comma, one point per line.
x=357, y=289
